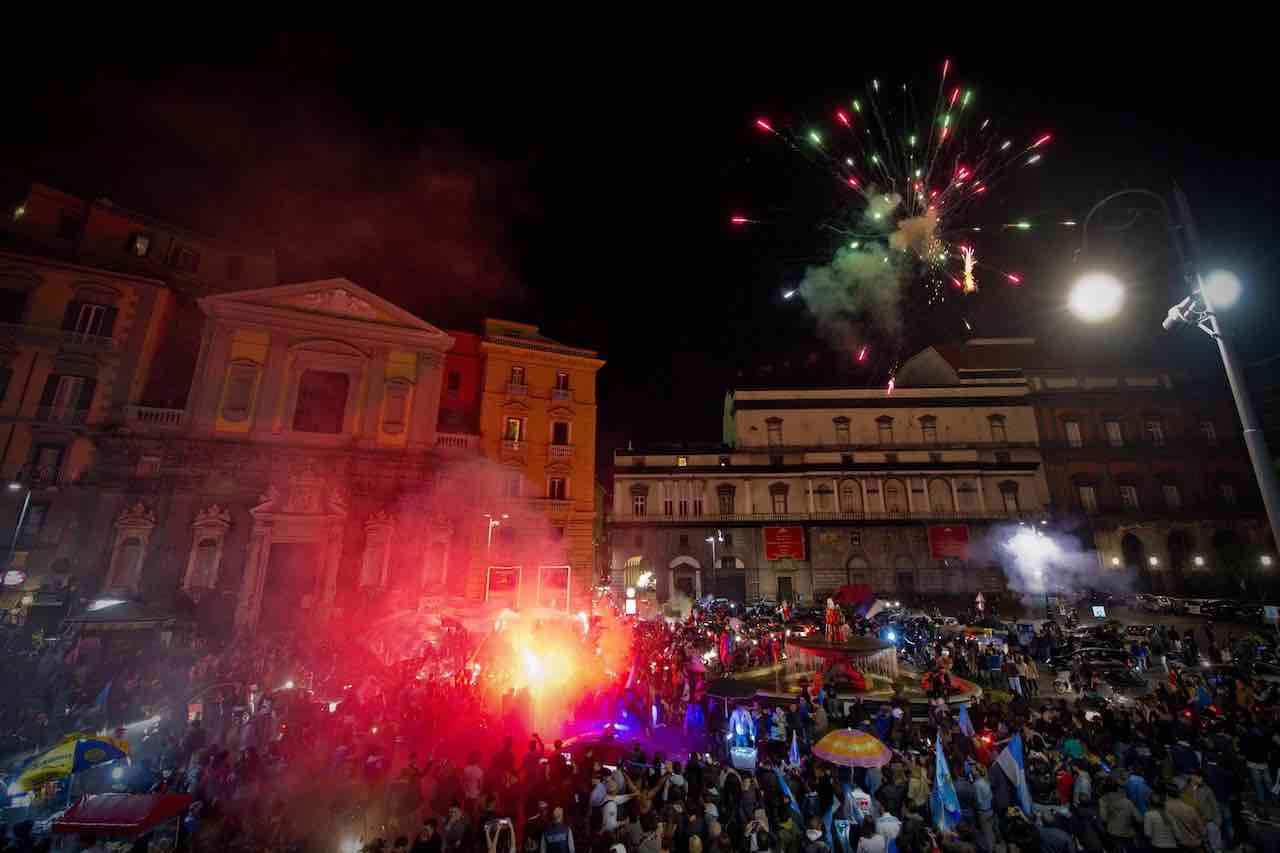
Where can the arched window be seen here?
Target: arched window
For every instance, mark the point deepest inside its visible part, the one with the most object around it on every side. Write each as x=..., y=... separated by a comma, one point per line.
x=998, y=434
x=884, y=429
x=850, y=497
x=940, y=497
x=1009, y=494
x=774, y=428
x=824, y=499
x=842, y=430
x=778, y=496
x=395, y=406
x=895, y=497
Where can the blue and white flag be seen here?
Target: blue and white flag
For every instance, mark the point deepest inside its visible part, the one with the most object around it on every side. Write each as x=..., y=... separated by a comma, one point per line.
x=100, y=704
x=966, y=725
x=786, y=792
x=943, y=801
x=1015, y=770
x=793, y=756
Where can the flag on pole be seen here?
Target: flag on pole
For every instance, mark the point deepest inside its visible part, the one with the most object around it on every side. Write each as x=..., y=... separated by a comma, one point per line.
x=793, y=756
x=786, y=791
x=966, y=725
x=943, y=802
x=100, y=704
x=1015, y=770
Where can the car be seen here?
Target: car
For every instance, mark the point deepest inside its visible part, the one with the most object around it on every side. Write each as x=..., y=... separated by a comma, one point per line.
x=1222, y=608
x=1139, y=630
x=1146, y=601
x=1095, y=656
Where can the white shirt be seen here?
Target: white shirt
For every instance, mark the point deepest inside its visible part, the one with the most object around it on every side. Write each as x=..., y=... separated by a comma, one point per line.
x=874, y=844
x=888, y=826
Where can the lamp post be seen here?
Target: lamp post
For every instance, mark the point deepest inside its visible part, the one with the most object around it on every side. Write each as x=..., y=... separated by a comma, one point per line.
x=493, y=522
x=1198, y=310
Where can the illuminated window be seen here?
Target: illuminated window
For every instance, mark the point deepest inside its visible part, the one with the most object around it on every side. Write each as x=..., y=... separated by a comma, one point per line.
x=682, y=461
x=1009, y=494
x=514, y=430
x=139, y=244
x=562, y=381
x=1088, y=499
x=1115, y=433
x=1072, y=429
x=1155, y=433
x=1129, y=497
x=517, y=375
x=557, y=489
x=638, y=509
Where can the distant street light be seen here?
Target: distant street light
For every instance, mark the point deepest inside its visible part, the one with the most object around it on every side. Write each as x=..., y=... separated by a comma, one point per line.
x=1098, y=296
x=1266, y=561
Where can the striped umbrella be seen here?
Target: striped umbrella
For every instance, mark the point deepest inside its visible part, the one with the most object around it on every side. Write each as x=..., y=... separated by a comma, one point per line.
x=852, y=748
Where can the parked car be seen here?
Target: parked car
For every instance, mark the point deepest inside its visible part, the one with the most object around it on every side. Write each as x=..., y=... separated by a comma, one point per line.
x=1146, y=601
x=1139, y=630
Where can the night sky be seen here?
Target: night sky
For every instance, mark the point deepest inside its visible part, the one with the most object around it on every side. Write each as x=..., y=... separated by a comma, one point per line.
x=589, y=190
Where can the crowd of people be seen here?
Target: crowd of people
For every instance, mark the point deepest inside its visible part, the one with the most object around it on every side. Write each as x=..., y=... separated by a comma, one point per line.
x=350, y=752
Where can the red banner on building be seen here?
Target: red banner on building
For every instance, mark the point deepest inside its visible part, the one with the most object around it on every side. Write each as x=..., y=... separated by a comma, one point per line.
x=783, y=542
x=553, y=587
x=949, y=541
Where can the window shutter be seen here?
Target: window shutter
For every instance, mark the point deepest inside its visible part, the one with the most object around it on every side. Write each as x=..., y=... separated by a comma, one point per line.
x=50, y=390
x=71, y=315
x=86, y=395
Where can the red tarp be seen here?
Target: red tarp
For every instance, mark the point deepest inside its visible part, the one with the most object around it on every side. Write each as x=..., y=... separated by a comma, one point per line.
x=121, y=814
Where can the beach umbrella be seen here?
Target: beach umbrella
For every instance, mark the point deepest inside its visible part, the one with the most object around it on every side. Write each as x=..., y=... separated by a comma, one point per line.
x=852, y=748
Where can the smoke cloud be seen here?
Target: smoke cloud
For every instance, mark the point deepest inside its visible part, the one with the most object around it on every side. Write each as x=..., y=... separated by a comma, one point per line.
x=860, y=288
x=1038, y=561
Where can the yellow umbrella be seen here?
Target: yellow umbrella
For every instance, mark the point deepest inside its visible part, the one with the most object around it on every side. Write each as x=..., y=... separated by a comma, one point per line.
x=74, y=753
x=852, y=748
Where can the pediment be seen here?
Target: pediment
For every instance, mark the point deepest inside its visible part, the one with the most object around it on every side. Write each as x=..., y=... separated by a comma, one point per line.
x=333, y=297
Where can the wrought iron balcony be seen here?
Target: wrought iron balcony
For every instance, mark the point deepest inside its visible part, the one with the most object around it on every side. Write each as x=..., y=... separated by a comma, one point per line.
x=876, y=515
x=62, y=415
x=52, y=337
x=151, y=417
x=457, y=442
x=560, y=451
x=517, y=389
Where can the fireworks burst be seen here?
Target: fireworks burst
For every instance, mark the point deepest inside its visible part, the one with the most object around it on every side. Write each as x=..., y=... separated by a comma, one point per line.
x=910, y=183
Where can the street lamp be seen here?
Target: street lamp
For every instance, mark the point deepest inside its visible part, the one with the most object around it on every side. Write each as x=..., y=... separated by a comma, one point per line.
x=493, y=522
x=1097, y=296
x=1265, y=560
x=1199, y=310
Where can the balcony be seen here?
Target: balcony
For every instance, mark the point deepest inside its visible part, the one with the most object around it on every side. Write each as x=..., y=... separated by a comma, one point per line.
x=153, y=418
x=62, y=416
x=562, y=394
x=818, y=517
x=457, y=442
x=517, y=389
x=514, y=445
x=39, y=477
x=560, y=451
x=51, y=337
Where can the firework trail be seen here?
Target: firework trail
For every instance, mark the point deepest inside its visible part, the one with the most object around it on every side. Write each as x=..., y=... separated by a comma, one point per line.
x=912, y=183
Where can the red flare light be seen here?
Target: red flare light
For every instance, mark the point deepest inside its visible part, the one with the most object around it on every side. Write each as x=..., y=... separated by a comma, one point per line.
x=955, y=93
x=739, y=220
x=842, y=117
x=862, y=353
x=933, y=193
x=1014, y=278
x=979, y=188
x=853, y=182
x=946, y=66
x=962, y=173
x=1042, y=140
x=764, y=125
x=945, y=131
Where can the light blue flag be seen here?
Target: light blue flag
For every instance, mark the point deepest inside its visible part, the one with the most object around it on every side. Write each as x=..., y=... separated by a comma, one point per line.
x=1015, y=770
x=100, y=704
x=786, y=790
x=966, y=725
x=943, y=801
x=793, y=757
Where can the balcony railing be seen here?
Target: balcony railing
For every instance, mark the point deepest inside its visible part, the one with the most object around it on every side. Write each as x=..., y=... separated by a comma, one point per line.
x=457, y=441
x=560, y=394
x=36, y=477
x=151, y=417
x=514, y=444
x=517, y=389
x=65, y=417
x=891, y=515
x=46, y=336
x=560, y=451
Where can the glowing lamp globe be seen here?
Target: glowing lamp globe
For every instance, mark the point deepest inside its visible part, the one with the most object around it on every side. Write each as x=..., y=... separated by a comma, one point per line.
x=1222, y=288
x=1096, y=297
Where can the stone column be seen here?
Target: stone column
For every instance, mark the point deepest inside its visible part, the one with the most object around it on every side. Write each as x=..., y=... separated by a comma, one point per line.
x=746, y=491
x=426, y=401
x=955, y=496
x=375, y=378
x=835, y=490
x=809, y=484
x=911, y=504
x=982, y=498
x=332, y=559
x=209, y=386
x=271, y=387
x=884, y=506
x=255, y=567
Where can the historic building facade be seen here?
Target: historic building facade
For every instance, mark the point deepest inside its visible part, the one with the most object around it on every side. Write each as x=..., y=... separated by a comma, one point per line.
x=298, y=482
x=817, y=488
x=1145, y=465
x=537, y=416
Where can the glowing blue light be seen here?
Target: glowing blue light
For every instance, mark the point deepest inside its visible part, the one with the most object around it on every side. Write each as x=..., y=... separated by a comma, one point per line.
x=892, y=637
